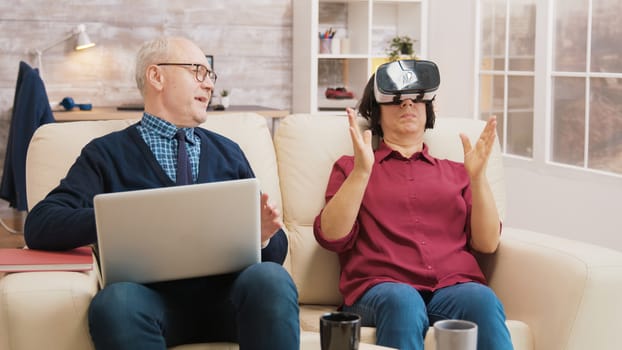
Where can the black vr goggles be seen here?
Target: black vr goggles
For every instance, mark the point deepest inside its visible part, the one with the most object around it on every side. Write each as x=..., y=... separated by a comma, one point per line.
x=406, y=79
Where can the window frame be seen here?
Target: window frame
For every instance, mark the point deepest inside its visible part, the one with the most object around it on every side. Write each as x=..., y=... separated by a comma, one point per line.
x=543, y=75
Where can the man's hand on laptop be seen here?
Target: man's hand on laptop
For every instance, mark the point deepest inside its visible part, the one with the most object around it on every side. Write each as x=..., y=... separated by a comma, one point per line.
x=270, y=220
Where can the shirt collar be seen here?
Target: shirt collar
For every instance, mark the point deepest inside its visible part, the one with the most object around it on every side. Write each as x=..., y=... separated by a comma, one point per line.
x=384, y=151
x=164, y=128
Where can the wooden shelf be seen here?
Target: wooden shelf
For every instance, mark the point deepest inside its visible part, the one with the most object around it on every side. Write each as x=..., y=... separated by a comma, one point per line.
x=112, y=113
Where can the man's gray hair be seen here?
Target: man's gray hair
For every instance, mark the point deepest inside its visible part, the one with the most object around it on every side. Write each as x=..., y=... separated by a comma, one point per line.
x=151, y=52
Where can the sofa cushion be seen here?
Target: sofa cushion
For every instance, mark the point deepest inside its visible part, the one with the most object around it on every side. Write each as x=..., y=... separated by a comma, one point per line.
x=48, y=160
x=444, y=142
x=50, y=302
x=252, y=133
x=306, y=151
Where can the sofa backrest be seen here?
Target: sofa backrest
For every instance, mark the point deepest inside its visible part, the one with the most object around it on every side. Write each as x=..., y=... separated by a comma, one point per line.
x=306, y=148
x=54, y=148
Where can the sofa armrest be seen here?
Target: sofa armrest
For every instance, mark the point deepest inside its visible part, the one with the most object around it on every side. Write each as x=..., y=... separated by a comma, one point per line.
x=46, y=310
x=568, y=292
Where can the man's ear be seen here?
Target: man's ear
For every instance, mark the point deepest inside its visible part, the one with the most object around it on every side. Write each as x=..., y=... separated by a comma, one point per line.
x=154, y=77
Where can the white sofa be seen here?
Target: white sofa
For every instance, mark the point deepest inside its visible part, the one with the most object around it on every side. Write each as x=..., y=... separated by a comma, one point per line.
x=558, y=294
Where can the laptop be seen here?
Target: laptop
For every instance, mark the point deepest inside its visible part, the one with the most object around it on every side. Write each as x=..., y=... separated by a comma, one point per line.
x=178, y=232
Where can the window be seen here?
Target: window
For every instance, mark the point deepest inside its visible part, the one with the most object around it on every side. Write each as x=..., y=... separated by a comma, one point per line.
x=578, y=59
x=507, y=71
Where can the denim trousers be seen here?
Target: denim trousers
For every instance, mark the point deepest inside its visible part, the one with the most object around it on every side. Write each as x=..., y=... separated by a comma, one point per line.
x=256, y=308
x=402, y=315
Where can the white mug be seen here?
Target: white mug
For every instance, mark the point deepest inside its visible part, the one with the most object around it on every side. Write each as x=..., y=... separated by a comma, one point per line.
x=455, y=335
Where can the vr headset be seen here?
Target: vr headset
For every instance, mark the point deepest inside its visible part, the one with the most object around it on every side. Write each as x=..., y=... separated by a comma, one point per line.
x=406, y=79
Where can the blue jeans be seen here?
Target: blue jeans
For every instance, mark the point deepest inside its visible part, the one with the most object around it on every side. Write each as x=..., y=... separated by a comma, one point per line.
x=402, y=315
x=257, y=308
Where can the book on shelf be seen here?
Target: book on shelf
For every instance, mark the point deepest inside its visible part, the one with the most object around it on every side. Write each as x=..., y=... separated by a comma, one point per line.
x=22, y=260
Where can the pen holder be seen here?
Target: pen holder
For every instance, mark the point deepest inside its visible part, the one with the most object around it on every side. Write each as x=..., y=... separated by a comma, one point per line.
x=326, y=45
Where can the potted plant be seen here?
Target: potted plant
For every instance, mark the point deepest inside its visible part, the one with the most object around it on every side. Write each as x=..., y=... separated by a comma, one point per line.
x=400, y=46
x=224, y=98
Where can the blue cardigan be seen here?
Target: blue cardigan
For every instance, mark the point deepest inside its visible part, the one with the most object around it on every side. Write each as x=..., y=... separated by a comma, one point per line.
x=31, y=109
x=122, y=161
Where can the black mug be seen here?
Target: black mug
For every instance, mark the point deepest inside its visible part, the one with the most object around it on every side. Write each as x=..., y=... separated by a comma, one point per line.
x=340, y=331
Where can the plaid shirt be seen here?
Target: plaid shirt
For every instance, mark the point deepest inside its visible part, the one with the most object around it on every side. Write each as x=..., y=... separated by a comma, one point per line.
x=159, y=135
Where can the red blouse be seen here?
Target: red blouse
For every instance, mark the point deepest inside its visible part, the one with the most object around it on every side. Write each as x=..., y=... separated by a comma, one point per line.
x=413, y=225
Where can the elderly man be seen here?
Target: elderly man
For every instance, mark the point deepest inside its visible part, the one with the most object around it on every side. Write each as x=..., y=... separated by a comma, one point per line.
x=256, y=307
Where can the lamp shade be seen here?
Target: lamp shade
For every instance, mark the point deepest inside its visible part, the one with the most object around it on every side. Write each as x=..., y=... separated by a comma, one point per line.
x=83, y=41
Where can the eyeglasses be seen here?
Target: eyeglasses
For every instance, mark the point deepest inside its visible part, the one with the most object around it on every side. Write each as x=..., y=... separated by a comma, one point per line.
x=200, y=71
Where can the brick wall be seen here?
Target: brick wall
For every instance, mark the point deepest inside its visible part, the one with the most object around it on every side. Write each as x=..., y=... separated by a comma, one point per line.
x=250, y=41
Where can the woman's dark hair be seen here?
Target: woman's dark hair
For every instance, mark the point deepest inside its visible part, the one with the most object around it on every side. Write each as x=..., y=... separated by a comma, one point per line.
x=369, y=109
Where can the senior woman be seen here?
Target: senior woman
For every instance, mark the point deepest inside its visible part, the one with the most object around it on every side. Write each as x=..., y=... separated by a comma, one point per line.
x=404, y=224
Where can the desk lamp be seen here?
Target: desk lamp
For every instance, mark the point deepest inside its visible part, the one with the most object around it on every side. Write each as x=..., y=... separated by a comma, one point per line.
x=82, y=42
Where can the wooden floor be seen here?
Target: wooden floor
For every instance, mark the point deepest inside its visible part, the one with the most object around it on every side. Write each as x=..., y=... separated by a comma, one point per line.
x=11, y=226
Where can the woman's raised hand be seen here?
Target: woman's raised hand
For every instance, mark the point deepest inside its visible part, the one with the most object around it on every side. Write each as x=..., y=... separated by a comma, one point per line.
x=361, y=142
x=476, y=158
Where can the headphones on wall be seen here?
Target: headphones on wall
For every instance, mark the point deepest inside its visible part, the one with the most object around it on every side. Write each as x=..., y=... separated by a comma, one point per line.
x=69, y=104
